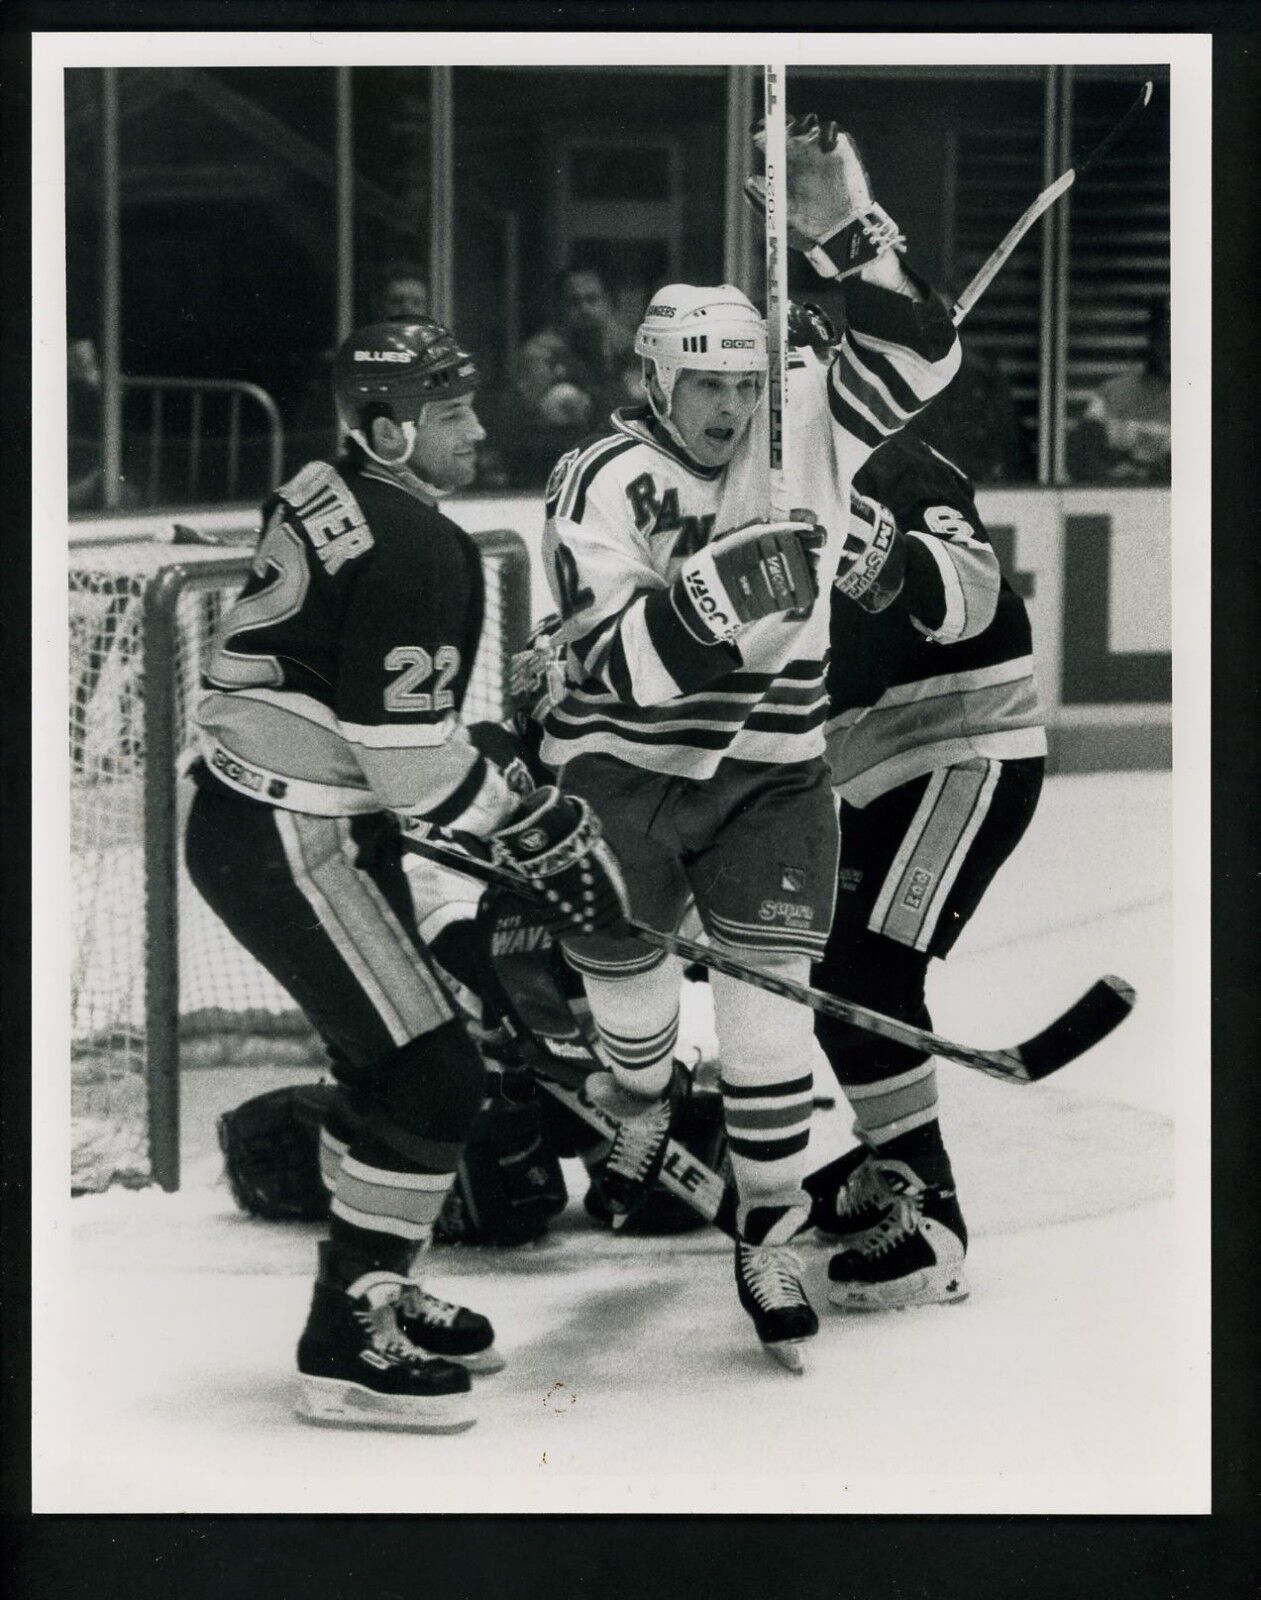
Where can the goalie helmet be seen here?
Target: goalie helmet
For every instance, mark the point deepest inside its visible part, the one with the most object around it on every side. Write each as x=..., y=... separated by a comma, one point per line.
x=399, y=366
x=709, y=329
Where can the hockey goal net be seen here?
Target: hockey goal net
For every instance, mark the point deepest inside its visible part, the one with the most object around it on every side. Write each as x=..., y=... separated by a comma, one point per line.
x=156, y=980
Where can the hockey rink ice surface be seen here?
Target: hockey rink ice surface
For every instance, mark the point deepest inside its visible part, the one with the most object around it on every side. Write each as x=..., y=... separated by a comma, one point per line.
x=1073, y=1380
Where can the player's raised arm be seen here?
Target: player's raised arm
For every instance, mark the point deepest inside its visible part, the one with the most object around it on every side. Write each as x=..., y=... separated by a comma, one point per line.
x=899, y=347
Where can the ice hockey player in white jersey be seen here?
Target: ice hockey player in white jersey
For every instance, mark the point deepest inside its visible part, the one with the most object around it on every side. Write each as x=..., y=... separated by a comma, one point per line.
x=692, y=713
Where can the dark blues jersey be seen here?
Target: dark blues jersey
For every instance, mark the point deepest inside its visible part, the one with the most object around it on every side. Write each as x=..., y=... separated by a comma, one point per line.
x=945, y=673
x=334, y=683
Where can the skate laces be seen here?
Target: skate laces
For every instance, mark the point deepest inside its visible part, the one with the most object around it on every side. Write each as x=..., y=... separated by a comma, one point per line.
x=865, y=1188
x=414, y=1300
x=637, y=1142
x=381, y=1326
x=901, y=1222
x=772, y=1275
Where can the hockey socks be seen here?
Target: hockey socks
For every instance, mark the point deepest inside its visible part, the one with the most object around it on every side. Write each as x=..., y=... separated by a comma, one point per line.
x=768, y=1052
x=637, y=1020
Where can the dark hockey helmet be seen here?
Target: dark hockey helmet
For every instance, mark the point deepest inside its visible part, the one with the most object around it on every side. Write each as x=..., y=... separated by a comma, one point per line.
x=400, y=364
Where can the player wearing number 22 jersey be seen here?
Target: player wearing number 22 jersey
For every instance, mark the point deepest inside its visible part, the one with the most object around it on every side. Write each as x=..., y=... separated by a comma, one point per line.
x=328, y=733
x=334, y=685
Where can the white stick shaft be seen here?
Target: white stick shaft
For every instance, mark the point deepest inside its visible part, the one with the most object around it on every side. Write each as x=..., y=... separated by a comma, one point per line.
x=1011, y=239
x=1045, y=200
x=777, y=286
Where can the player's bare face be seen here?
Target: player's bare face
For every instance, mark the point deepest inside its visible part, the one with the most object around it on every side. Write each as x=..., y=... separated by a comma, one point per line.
x=447, y=436
x=712, y=410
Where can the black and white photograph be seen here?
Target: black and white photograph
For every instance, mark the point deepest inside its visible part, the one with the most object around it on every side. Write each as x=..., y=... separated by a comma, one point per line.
x=623, y=917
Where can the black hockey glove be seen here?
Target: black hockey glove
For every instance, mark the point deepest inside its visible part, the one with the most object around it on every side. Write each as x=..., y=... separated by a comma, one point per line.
x=271, y=1153
x=508, y=1185
x=810, y=328
x=554, y=846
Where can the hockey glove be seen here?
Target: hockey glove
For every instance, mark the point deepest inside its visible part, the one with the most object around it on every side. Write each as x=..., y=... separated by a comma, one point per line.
x=759, y=571
x=508, y=1184
x=832, y=218
x=271, y=1156
x=554, y=845
x=810, y=328
x=873, y=560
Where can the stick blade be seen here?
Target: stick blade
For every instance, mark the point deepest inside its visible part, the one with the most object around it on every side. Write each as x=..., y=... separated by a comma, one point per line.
x=1103, y=1007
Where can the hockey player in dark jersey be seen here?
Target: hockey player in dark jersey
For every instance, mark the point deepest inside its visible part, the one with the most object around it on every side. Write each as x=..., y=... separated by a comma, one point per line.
x=328, y=731
x=936, y=746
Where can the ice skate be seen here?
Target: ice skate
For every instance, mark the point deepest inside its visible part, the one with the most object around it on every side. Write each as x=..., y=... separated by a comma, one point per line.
x=436, y=1328
x=914, y=1257
x=359, y=1371
x=768, y=1281
x=633, y=1163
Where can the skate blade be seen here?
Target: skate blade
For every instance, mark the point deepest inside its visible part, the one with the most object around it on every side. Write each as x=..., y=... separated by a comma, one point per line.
x=788, y=1354
x=330, y=1403
x=481, y=1363
x=935, y=1286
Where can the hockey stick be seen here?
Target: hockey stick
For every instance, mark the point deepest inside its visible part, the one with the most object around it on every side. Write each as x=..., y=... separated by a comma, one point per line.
x=1044, y=202
x=776, y=156
x=1089, y=1019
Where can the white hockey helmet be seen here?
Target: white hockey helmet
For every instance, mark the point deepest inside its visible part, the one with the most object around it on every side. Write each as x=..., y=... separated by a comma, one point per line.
x=709, y=328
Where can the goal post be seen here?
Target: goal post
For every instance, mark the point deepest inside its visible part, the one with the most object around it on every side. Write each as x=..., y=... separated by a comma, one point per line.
x=156, y=981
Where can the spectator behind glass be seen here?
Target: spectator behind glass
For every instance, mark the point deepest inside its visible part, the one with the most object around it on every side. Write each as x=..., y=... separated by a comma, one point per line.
x=402, y=291
x=564, y=382
x=1123, y=434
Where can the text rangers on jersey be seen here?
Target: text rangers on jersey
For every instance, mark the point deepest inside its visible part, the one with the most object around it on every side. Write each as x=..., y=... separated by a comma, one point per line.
x=693, y=709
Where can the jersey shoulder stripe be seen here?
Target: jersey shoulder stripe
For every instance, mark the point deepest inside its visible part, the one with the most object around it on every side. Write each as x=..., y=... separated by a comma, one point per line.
x=583, y=473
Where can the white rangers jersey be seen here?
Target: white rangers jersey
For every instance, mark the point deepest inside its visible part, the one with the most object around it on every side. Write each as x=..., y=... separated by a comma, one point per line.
x=625, y=512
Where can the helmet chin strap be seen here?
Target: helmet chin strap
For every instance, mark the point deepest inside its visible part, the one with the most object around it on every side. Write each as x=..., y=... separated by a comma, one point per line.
x=400, y=469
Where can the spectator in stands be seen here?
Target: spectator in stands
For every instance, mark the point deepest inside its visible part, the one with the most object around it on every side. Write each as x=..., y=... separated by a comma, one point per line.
x=402, y=291
x=1123, y=434
x=564, y=382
